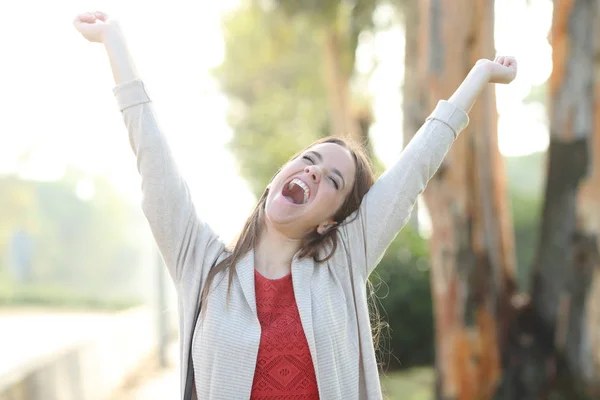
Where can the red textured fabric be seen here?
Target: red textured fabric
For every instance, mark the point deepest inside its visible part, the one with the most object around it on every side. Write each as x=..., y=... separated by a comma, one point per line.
x=284, y=368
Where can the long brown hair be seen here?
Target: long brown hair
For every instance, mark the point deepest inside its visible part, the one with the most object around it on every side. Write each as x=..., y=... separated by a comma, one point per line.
x=313, y=243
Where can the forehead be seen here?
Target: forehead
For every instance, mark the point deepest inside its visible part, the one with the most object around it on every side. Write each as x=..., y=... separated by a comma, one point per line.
x=336, y=156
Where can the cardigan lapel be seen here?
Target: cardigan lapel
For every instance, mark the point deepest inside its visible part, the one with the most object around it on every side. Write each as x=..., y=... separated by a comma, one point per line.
x=302, y=272
x=245, y=273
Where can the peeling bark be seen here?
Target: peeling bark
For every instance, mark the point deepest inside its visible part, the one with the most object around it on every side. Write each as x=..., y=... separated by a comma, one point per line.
x=472, y=247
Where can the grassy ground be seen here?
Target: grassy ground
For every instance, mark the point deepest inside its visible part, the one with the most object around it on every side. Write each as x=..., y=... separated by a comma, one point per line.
x=412, y=384
x=49, y=295
x=58, y=297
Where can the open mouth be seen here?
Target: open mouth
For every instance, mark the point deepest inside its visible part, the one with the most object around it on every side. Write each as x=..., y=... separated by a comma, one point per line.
x=296, y=191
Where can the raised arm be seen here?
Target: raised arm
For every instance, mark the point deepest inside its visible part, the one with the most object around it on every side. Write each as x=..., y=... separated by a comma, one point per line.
x=188, y=246
x=386, y=208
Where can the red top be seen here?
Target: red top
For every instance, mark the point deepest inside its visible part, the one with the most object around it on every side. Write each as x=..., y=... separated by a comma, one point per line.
x=284, y=368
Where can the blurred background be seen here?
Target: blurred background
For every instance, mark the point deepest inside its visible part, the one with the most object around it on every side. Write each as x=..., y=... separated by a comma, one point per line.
x=491, y=291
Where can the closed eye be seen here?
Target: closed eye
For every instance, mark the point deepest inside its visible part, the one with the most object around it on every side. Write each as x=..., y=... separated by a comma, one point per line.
x=309, y=159
x=337, y=186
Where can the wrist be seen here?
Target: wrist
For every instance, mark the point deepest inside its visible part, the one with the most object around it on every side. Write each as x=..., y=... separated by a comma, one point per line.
x=472, y=86
x=112, y=29
x=481, y=71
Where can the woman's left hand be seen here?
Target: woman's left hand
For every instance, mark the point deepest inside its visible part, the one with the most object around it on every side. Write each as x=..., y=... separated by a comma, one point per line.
x=502, y=70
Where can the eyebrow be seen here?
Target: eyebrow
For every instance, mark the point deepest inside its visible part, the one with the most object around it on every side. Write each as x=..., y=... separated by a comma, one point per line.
x=334, y=170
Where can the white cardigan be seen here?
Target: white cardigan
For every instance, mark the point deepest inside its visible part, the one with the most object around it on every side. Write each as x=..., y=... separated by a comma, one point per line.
x=331, y=297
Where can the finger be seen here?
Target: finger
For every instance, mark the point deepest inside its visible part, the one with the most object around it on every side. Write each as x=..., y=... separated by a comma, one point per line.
x=500, y=60
x=510, y=62
x=496, y=59
x=85, y=17
x=102, y=16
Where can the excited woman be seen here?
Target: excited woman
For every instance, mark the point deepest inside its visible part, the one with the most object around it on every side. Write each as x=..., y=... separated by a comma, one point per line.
x=284, y=312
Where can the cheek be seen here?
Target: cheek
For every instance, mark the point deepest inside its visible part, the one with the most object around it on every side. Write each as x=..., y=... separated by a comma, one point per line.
x=280, y=177
x=330, y=201
x=289, y=169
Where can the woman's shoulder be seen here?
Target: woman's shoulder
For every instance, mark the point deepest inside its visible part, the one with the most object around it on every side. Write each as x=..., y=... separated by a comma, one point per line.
x=349, y=254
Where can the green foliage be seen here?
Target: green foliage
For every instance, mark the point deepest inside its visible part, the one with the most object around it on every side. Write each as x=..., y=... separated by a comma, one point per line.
x=412, y=384
x=403, y=288
x=60, y=296
x=347, y=19
x=76, y=249
x=17, y=205
x=321, y=11
x=272, y=75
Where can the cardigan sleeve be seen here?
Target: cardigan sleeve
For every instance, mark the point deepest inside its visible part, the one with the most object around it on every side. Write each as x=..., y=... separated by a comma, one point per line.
x=184, y=241
x=386, y=207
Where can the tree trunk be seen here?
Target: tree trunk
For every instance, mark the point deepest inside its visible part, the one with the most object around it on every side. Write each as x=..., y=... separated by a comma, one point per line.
x=412, y=99
x=472, y=247
x=562, y=357
x=587, y=329
x=363, y=118
x=589, y=211
x=337, y=81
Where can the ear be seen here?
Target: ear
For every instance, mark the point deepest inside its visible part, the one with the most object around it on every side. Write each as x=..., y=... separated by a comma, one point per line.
x=325, y=227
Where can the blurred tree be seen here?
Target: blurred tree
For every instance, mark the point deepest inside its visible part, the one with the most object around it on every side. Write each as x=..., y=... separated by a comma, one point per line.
x=472, y=246
x=288, y=72
x=413, y=109
x=17, y=216
x=525, y=177
x=16, y=202
x=338, y=25
x=271, y=73
x=557, y=345
x=75, y=229
x=79, y=245
x=404, y=295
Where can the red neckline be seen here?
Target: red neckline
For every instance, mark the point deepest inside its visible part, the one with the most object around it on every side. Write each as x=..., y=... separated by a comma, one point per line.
x=257, y=273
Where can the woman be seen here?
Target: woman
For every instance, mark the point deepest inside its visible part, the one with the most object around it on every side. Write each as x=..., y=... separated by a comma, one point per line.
x=284, y=313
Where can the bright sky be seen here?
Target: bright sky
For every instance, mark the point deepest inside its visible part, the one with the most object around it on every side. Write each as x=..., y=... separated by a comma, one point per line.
x=56, y=94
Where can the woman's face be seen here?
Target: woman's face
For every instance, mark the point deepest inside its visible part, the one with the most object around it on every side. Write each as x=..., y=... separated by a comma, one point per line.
x=309, y=189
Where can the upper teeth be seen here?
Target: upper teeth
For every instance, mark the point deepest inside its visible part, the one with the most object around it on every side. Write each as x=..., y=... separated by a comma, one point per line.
x=298, y=182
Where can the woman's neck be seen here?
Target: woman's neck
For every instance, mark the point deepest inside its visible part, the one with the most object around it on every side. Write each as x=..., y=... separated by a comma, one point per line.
x=274, y=253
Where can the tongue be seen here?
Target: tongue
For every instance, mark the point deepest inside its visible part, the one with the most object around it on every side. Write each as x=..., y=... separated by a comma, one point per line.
x=295, y=194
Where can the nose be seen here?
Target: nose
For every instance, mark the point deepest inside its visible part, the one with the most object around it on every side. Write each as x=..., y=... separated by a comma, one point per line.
x=314, y=172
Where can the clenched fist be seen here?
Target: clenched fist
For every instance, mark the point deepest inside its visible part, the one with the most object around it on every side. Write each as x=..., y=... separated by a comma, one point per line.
x=92, y=25
x=502, y=70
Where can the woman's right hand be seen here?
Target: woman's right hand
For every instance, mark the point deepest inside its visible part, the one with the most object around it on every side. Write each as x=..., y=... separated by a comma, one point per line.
x=92, y=25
